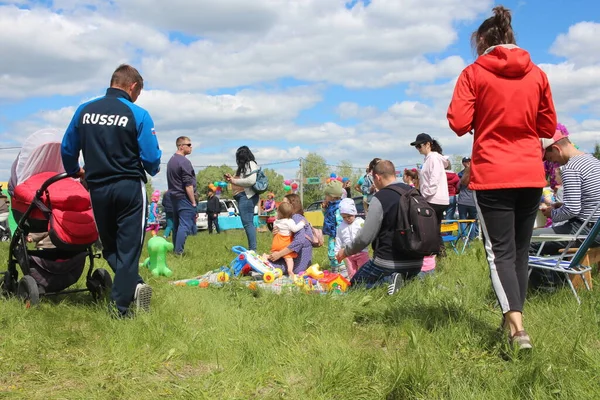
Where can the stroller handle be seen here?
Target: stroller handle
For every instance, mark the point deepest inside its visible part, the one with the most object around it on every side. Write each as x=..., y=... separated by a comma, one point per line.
x=52, y=180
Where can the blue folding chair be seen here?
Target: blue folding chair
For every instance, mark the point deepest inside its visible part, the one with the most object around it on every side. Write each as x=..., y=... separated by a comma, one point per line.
x=452, y=232
x=567, y=263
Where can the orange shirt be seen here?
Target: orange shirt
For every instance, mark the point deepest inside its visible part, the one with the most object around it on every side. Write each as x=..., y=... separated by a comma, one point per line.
x=506, y=99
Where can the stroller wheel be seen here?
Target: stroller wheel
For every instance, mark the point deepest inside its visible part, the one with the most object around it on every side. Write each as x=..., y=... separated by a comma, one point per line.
x=100, y=284
x=5, y=238
x=28, y=291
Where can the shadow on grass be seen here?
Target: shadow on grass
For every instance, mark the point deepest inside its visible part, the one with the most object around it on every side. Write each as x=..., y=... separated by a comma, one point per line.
x=433, y=317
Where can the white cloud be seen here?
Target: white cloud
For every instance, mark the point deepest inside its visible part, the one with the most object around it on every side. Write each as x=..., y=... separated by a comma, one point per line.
x=580, y=44
x=54, y=54
x=187, y=49
x=237, y=43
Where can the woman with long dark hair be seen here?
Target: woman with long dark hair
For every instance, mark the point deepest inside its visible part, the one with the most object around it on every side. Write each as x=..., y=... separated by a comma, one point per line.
x=433, y=185
x=506, y=100
x=245, y=176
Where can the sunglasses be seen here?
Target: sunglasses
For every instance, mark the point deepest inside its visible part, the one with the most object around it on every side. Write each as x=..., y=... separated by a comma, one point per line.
x=186, y=144
x=419, y=146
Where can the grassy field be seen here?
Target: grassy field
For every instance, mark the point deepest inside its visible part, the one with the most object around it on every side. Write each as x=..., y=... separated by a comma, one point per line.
x=435, y=339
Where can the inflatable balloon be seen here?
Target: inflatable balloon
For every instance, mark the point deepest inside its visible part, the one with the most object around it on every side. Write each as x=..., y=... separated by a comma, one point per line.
x=287, y=182
x=294, y=186
x=158, y=247
x=345, y=180
x=287, y=187
x=339, y=178
x=333, y=175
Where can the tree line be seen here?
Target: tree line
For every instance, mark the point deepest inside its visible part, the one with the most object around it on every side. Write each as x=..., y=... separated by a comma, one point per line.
x=314, y=166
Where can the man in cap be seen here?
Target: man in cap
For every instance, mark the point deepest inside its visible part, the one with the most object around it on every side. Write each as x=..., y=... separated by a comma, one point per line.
x=580, y=174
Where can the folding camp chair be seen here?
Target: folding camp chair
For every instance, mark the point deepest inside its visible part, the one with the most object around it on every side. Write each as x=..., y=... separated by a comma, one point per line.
x=454, y=231
x=567, y=263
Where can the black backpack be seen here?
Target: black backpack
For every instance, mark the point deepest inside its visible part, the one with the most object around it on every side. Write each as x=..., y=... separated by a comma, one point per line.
x=417, y=230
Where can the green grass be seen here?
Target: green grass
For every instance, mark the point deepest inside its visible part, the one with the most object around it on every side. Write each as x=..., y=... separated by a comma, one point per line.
x=435, y=339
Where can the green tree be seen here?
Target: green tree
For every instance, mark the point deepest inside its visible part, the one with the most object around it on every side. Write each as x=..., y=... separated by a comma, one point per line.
x=210, y=175
x=275, y=184
x=597, y=151
x=456, y=161
x=344, y=169
x=149, y=189
x=313, y=166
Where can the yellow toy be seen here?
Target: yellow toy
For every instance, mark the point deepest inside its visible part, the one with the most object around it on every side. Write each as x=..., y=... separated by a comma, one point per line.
x=334, y=283
x=314, y=271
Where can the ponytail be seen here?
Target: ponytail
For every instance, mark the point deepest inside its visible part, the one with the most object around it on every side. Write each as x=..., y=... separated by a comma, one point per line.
x=494, y=31
x=435, y=146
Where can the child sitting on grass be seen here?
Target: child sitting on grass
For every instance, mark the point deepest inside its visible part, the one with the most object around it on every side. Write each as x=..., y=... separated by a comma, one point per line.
x=283, y=238
x=332, y=219
x=346, y=233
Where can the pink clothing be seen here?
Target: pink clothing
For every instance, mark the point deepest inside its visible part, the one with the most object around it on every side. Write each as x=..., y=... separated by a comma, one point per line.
x=355, y=261
x=428, y=263
x=433, y=181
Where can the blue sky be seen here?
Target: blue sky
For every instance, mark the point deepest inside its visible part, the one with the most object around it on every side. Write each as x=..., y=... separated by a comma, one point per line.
x=349, y=80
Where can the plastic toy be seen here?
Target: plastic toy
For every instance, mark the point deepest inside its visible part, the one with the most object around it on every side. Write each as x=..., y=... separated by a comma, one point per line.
x=314, y=271
x=334, y=283
x=259, y=264
x=158, y=247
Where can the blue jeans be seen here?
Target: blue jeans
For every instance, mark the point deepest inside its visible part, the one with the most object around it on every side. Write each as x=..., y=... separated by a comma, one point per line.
x=246, y=206
x=372, y=275
x=183, y=222
x=468, y=212
x=169, y=227
x=451, y=210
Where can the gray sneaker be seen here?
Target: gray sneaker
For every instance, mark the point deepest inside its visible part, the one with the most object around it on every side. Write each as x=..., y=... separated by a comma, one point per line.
x=142, y=297
x=521, y=341
x=397, y=283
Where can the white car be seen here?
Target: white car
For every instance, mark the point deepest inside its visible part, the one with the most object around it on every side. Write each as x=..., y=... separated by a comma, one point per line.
x=202, y=220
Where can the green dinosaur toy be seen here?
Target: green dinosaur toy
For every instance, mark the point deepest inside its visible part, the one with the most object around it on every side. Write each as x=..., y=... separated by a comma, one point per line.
x=157, y=262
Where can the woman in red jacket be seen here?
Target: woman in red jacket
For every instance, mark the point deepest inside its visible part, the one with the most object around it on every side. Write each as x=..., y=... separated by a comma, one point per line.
x=504, y=100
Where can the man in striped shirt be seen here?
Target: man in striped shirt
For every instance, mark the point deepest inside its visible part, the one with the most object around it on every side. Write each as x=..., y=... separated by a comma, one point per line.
x=580, y=174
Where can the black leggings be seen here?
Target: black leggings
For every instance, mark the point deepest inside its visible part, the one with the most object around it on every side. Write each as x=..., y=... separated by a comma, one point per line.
x=439, y=213
x=507, y=217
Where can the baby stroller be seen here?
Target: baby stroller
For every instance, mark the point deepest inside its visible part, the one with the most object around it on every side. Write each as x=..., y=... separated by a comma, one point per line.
x=48, y=202
x=4, y=228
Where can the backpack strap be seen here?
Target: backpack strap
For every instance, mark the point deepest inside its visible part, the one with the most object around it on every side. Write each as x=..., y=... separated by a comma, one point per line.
x=398, y=189
x=252, y=172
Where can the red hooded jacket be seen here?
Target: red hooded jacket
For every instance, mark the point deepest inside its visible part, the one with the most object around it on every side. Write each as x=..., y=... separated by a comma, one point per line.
x=505, y=98
x=453, y=183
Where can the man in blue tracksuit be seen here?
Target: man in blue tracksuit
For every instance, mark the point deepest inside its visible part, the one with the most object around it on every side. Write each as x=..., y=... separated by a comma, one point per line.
x=119, y=146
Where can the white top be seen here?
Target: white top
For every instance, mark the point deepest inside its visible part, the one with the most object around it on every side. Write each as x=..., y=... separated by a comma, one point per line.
x=248, y=180
x=287, y=226
x=433, y=183
x=347, y=232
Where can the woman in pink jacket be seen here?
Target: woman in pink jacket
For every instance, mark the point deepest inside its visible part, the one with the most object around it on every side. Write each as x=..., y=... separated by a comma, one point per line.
x=433, y=185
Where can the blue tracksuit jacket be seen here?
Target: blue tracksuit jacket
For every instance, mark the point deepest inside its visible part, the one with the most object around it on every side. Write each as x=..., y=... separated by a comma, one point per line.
x=117, y=139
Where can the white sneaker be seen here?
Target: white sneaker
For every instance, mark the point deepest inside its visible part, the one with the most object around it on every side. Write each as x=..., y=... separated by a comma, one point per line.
x=397, y=283
x=142, y=297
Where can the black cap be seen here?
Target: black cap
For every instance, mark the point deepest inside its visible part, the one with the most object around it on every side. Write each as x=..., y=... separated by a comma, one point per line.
x=465, y=159
x=422, y=138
